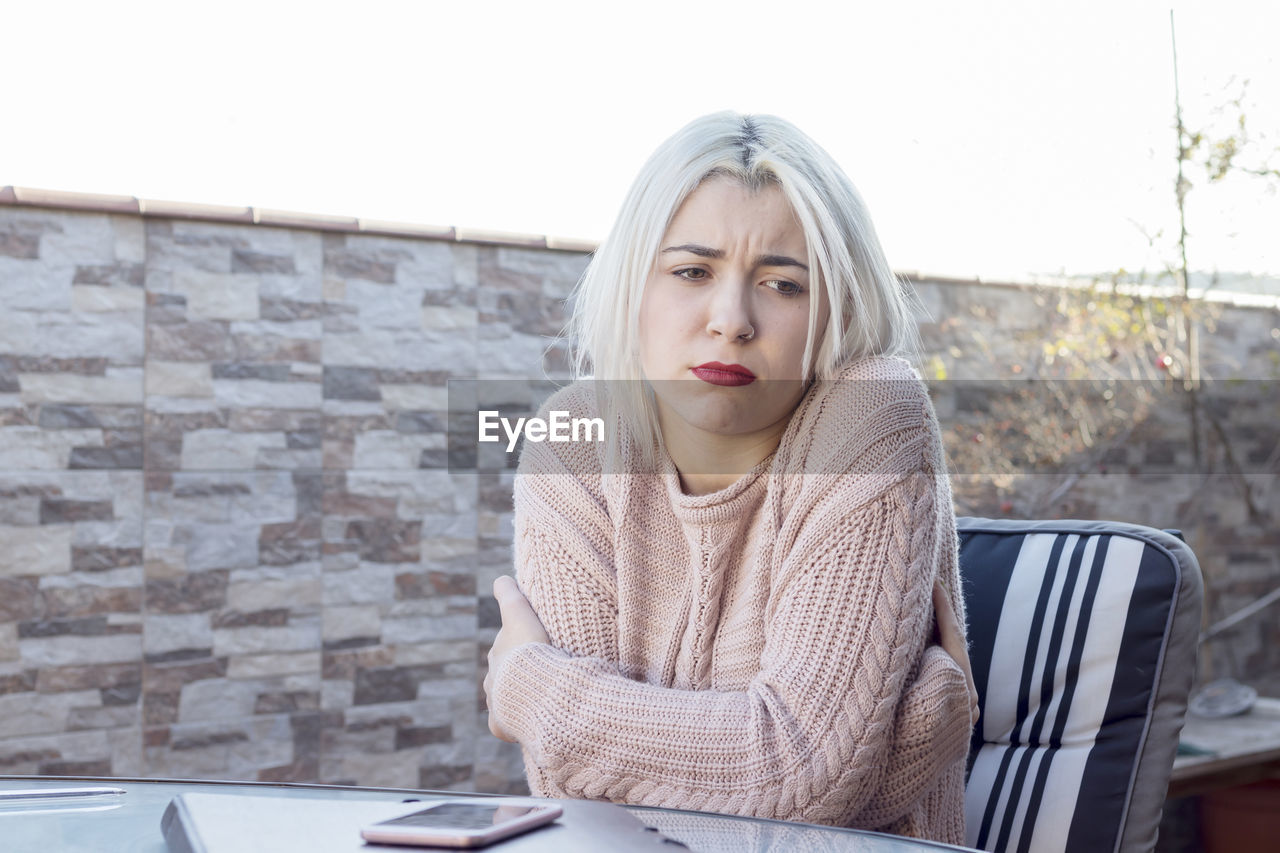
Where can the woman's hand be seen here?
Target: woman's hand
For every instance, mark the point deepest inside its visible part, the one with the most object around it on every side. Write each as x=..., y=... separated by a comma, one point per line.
x=946, y=631
x=520, y=625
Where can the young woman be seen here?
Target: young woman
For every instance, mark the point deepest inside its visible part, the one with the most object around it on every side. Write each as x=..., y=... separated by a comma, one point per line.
x=728, y=605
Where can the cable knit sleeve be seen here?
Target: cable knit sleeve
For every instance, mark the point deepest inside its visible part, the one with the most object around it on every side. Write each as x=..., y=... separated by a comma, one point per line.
x=931, y=732
x=809, y=738
x=566, y=572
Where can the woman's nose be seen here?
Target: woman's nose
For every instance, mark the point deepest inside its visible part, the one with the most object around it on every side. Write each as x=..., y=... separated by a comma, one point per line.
x=729, y=314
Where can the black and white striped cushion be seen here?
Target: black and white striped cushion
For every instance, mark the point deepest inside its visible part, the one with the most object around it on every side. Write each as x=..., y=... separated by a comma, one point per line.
x=1082, y=638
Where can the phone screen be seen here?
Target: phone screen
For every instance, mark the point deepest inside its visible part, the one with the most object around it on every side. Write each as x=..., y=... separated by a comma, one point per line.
x=459, y=816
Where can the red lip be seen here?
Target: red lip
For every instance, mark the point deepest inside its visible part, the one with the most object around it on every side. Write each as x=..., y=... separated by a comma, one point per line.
x=724, y=374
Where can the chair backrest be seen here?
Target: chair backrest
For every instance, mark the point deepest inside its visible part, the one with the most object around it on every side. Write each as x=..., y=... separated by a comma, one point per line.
x=1082, y=637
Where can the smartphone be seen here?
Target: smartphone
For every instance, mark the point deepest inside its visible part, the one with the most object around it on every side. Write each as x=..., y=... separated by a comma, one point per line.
x=461, y=823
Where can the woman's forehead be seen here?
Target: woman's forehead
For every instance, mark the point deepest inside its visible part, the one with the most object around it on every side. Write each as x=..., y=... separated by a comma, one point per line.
x=724, y=209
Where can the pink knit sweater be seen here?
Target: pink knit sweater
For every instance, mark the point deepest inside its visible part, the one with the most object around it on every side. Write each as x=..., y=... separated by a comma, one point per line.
x=761, y=650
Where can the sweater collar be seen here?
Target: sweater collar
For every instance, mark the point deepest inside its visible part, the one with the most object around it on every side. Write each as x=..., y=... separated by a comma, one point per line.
x=722, y=505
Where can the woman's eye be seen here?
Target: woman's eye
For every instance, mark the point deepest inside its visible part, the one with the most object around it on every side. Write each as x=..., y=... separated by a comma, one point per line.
x=786, y=288
x=692, y=274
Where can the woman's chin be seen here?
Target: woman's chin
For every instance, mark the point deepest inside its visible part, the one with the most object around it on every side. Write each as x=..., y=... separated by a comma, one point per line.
x=720, y=417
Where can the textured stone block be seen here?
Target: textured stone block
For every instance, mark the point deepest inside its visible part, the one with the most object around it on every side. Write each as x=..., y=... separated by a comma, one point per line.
x=423, y=584
x=78, y=237
x=381, y=307
x=95, y=299
x=499, y=768
x=178, y=379
x=417, y=493
x=267, y=395
x=298, y=587
x=351, y=383
x=106, y=717
x=73, y=753
x=415, y=398
x=190, y=341
x=345, y=663
x=220, y=699
x=269, y=665
x=290, y=542
x=223, y=749
x=367, y=583
x=218, y=546
x=215, y=296
x=125, y=577
x=36, y=287
x=301, y=634
x=120, y=677
x=55, y=416
x=297, y=342
x=82, y=601
x=224, y=450
x=111, y=456
x=187, y=593
x=397, y=684
x=74, y=650
x=119, y=276
x=246, y=261
x=445, y=777
x=179, y=245
x=447, y=318
x=527, y=313
x=35, y=550
x=16, y=244
x=416, y=629
x=28, y=447
x=64, y=510
x=392, y=770
x=343, y=623
x=39, y=713
x=334, y=695
x=22, y=510
x=510, y=354
x=19, y=597
x=9, y=650
x=407, y=350
x=449, y=652
x=167, y=633
x=396, y=451
x=118, y=335
x=271, y=617
x=119, y=385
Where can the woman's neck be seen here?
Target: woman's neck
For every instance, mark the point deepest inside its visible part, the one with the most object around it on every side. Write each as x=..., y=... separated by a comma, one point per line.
x=708, y=462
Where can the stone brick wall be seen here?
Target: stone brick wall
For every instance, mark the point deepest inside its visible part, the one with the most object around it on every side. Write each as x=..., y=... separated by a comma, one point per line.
x=1227, y=503
x=231, y=547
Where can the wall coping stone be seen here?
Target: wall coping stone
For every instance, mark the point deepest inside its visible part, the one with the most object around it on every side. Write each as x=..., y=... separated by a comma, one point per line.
x=161, y=209
x=158, y=209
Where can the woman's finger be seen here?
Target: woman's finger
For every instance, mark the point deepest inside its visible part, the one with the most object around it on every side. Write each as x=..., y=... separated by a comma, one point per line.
x=952, y=640
x=504, y=586
x=516, y=611
x=511, y=601
x=941, y=608
x=494, y=728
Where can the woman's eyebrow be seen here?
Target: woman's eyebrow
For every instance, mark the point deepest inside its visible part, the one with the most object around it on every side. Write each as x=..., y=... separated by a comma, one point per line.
x=779, y=261
x=718, y=254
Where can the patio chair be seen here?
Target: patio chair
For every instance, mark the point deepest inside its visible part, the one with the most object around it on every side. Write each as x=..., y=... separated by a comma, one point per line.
x=1083, y=644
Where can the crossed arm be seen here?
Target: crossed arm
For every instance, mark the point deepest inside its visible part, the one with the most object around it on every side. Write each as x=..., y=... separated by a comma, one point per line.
x=839, y=726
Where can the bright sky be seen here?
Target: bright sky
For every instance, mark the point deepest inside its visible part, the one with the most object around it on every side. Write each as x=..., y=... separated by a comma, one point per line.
x=989, y=138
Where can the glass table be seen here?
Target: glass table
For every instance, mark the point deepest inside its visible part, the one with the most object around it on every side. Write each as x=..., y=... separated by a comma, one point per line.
x=131, y=821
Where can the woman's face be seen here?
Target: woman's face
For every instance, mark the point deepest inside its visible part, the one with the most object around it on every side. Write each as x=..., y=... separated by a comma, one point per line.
x=730, y=289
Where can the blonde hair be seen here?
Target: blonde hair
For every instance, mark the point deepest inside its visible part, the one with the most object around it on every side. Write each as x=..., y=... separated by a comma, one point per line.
x=871, y=310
